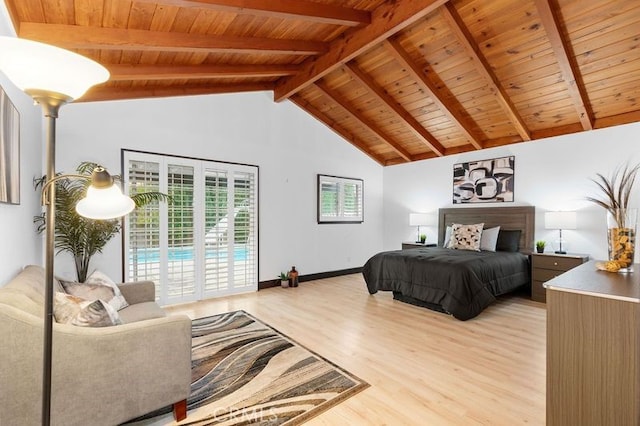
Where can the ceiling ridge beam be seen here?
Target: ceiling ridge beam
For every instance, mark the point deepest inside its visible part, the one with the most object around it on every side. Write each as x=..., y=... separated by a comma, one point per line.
x=386, y=20
x=450, y=14
x=106, y=93
x=82, y=37
x=393, y=46
x=335, y=127
x=414, y=125
x=550, y=18
x=365, y=122
x=284, y=9
x=130, y=72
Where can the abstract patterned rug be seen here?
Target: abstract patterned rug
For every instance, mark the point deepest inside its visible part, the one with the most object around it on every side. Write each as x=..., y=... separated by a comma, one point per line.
x=245, y=372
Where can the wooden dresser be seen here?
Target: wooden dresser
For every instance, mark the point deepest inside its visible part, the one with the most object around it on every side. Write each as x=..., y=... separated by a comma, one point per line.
x=545, y=266
x=593, y=348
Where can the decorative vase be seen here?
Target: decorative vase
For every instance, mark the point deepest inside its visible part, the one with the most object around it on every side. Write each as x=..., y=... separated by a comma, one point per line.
x=621, y=237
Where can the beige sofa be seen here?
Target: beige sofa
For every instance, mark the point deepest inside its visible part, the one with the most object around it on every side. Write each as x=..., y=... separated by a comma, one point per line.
x=100, y=376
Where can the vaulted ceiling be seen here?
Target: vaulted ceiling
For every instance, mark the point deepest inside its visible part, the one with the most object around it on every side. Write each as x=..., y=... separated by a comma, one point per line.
x=402, y=80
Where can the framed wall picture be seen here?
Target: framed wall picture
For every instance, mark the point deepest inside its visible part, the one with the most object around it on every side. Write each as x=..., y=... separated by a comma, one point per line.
x=9, y=151
x=340, y=199
x=484, y=181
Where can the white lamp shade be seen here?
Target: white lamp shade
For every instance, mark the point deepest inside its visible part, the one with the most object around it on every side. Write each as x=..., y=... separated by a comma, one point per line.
x=104, y=203
x=421, y=219
x=560, y=220
x=38, y=66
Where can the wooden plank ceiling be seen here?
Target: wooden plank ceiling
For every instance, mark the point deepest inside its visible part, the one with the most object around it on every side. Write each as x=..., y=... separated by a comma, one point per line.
x=401, y=80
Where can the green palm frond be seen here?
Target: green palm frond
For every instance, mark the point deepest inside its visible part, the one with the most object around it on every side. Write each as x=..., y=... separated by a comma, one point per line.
x=75, y=234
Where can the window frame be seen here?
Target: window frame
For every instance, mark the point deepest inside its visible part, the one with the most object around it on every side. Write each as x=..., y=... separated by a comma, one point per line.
x=340, y=216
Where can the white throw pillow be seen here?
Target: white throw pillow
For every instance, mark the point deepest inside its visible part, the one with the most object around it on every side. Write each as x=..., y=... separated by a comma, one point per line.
x=118, y=301
x=69, y=309
x=489, y=239
x=446, y=243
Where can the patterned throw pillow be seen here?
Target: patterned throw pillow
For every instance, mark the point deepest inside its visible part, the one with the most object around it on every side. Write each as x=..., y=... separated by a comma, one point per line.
x=69, y=309
x=97, y=286
x=466, y=237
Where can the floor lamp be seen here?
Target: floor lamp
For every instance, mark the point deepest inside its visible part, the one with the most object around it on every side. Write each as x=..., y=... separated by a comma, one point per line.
x=54, y=77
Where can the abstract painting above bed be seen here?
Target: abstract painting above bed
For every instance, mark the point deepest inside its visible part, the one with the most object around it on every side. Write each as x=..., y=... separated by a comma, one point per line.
x=460, y=282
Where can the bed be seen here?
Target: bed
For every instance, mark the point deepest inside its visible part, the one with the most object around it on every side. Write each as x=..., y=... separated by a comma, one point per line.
x=459, y=282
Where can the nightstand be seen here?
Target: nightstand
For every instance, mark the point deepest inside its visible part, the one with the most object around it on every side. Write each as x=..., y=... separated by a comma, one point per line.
x=411, y=244
x=545, y=266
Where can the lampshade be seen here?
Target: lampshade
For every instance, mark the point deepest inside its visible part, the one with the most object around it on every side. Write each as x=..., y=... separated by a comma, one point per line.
x=560, y=220
x=104, y=203
x=421, y=219
x=37, y=66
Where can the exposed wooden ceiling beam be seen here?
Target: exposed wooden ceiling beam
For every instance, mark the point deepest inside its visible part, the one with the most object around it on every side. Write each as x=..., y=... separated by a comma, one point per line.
x=450, y=14
x=616, y=120
x=365, y=122
x=81, y=37
x=336, y=128
x=568, y=66
x=106, y=93
x=284, y=9
x=431, y=90
x=386, y=20
x=121, y=72
x=425, y=137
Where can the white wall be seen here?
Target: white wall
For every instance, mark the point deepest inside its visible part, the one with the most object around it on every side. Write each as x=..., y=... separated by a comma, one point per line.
x=289, y=146
x=20, y=244
x=551, y=174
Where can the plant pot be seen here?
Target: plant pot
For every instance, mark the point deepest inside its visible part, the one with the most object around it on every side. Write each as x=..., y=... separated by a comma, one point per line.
x=284, y=283
x=621, y=237
x=540, y=249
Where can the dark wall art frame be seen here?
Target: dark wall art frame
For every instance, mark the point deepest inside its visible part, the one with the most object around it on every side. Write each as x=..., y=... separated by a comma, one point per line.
x=9, y=151
x=484, y=181
x=340, y=199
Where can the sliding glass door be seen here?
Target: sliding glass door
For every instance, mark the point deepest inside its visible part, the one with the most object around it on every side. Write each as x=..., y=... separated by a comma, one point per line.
x=202, y=244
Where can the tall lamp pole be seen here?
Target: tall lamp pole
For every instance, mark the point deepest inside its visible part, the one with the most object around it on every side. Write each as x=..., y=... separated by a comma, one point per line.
x=52, y=77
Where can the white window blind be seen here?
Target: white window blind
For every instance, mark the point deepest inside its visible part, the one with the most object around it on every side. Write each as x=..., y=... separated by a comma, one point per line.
x=340, y=200
x=205, y=243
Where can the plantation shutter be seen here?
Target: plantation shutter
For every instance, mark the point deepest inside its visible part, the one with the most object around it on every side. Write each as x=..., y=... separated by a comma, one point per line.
x=205, y=243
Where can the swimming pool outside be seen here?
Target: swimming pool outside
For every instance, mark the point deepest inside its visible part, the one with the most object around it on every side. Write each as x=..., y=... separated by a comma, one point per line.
x=152, y=255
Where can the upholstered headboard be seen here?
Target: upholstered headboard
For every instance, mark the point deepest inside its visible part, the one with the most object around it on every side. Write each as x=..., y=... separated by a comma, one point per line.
x=508, y=218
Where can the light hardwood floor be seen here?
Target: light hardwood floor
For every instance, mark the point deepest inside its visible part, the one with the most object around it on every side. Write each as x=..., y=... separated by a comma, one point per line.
x=424, y=368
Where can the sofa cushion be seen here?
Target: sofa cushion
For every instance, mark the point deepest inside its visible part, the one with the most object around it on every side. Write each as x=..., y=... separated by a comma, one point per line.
x=30, y=282
x=100, y=278
x=69, y=309
x=141, y=311
x=97, y=288
x=19, y=300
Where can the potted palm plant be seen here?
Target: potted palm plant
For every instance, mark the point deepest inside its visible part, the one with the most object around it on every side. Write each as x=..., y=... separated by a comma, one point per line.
x=82, y=237
x=540, y=246
x=621, y=220
x=284, y=280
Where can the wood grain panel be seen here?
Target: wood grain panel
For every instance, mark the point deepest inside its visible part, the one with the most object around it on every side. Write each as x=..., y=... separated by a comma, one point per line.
x=592, y=365
x=509, y=218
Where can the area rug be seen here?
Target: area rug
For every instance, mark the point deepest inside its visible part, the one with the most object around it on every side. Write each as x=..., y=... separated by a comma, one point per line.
x=246, y=372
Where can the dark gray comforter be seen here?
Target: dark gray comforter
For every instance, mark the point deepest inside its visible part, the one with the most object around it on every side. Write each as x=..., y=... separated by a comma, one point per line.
x=461, y=282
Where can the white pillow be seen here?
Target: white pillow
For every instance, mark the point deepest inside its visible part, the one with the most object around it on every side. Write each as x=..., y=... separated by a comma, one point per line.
x=466, y=237
x=99, y=278
x=489, y=239
x=69, y=309
x=446, y=243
